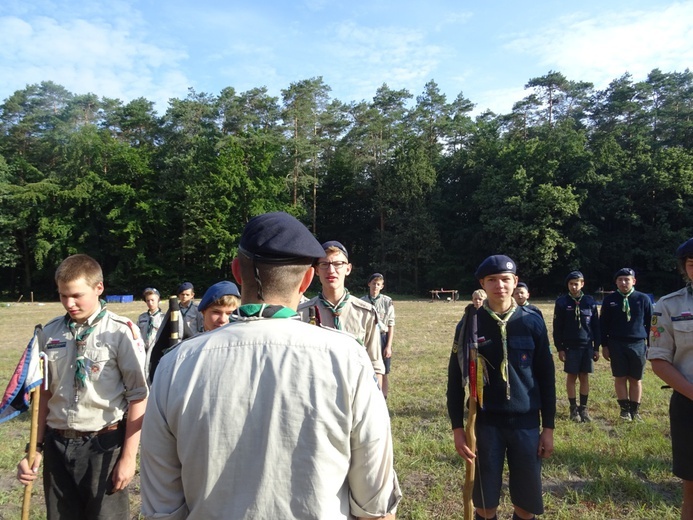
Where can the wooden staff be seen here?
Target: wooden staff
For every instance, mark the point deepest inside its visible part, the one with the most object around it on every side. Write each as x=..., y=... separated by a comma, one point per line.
x=33, y=437
x=470, y=431
x=174, y=309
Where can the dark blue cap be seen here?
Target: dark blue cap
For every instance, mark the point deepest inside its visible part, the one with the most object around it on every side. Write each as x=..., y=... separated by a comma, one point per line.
x=184, y=287
x=216, y=291
x=374, y=276
x=574, y=275
x=150, y=290
x=494, y=265
x=522, y=284
x=686, y=249
x=278, y=238
x=338, y=245
x=624, y=271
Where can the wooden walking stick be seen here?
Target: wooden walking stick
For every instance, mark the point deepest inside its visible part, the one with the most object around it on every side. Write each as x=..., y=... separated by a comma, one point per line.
x=33, y=435
x=472, y=345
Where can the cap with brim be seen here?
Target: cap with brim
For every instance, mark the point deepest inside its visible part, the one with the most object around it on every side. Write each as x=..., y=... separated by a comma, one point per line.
x=184, y=287
x=338, y=245
x=278, y=238
x=217, y=291
x=522, y=285
x=624, y=271
x=375, y=276
x=574, y=275
x=495, y=264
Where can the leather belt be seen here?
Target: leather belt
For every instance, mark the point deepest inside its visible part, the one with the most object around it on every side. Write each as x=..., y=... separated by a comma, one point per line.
x=75, y=434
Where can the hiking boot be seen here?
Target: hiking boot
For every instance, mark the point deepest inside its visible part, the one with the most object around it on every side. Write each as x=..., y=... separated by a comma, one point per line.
x=584, y=415
x=625, y=415
x=575, y=415
x=636, y=417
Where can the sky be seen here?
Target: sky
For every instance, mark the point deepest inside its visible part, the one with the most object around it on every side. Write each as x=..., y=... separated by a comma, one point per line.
x=487, y=50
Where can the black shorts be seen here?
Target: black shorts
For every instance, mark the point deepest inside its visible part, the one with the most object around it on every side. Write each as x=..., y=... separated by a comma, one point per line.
x=681, y=419
x=386, y=360
x=578, y=360
x=627, y=358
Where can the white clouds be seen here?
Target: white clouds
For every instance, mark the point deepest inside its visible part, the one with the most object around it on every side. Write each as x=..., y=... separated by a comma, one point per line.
x=600, y=49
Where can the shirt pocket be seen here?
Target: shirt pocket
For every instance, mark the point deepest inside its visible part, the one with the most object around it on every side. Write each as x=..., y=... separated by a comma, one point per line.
x=521, y=351
x=95, y=360
x=683, y=333
x=586, y=315
x=55, y=359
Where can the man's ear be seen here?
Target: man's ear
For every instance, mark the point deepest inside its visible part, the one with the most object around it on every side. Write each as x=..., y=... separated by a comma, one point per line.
x=236, y=270
x=307, y=279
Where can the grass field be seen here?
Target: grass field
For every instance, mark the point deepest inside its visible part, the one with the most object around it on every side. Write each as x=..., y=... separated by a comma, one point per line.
x=601, y=470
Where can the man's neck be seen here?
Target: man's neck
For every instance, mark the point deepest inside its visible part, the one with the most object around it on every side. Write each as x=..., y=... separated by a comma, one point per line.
x=333, y=295
x=500, y=306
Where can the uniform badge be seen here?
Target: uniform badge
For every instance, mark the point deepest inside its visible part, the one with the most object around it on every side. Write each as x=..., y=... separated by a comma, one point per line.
x=654, y=320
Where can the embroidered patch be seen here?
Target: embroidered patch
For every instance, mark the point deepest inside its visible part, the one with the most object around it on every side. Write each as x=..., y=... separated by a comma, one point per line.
x=655, y=332
x=683, y=317
x=654, y=320
x=55, y=343
x=133, y=329
x=657, y=313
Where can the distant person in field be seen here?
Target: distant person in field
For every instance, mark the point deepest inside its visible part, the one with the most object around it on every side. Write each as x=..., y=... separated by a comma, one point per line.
x=671, y=355
x=218, y=303
x=386, y=320
x=478, y=298
x=518, y=394
x=521, y=296
x=150, y=321
x=188, y=308
x=90, y=416
x=577, y=337
x=625, y=323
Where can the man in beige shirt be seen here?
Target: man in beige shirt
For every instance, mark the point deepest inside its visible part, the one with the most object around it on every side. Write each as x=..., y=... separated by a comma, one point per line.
x=335, y=308
x=95, y=373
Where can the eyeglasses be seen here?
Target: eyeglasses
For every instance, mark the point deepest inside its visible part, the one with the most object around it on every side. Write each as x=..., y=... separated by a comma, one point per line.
x=325, y=266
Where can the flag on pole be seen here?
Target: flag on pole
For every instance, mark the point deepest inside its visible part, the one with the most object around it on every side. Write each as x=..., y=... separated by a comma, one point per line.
x=26, y=376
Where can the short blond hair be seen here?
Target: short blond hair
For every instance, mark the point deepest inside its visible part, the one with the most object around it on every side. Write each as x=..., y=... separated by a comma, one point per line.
x=79, y=266
x=479, y=293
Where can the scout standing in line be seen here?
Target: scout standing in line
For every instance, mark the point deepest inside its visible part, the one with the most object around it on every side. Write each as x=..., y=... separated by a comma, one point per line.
x=478, y=298
x=577, y=338
x=519, y=395
x=335, y=308
x=188, y=308
x=150, y=321
x=671, y=355
x=521, y=296
x=218, y=303
x=386, y=320
x=625, y=321
x=95, y=374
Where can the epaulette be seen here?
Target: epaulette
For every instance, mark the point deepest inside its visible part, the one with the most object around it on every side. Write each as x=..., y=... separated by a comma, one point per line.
x=359, y=303
x=57, y=318
x=680, y=292
x=134, y=329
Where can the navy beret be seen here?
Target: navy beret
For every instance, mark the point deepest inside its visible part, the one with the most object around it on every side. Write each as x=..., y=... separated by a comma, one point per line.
x=216, y=291
x=522, y=284
x=685, y=249
x=184, y=287
x=278, y=237
x=574, y=275
x=338, y=245
x=374, y=276
x=493, y=265
x=624, y=271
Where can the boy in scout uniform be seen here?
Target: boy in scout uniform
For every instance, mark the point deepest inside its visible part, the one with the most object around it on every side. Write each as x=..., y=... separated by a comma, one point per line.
x=521, y=296
x=335, y=308
x=218, y=303
x=671, y=355
x=188, y=308
x=386, y=320
x=150, y=321
x=90, y=416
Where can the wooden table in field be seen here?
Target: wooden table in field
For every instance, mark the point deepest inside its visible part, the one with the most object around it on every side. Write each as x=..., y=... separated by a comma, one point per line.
x=435, y=294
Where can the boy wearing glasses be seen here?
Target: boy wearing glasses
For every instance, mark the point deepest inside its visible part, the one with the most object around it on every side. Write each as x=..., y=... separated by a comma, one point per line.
x=334, y=307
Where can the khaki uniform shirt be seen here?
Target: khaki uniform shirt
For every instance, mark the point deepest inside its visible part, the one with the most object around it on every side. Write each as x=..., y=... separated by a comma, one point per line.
x=267, y=418
x=115, y=375
x=358, y=318
x=143, y=324
x=385, y=309
x=671, y=332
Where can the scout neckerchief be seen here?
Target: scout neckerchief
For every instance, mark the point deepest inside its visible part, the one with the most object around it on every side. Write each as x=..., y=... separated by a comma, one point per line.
x=262, y=310
x=502, y=323
x=577, y=307
x=186, y=310
x=335, y=309
x=373, y=300
x=626, y=304
x=150, y=325
x=81, y=340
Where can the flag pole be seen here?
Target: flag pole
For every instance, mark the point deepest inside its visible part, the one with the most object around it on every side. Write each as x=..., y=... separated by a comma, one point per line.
x=33, y=435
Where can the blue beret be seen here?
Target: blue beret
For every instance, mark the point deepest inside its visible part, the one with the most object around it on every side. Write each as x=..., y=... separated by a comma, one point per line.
x=493, y=265
x=374, y=276
x=624, y=271
x=574, y=275
x=522, y=284
x=216, y=291
x=338, y=245
x=184, y=287
x=278, y=238
x=685, y=249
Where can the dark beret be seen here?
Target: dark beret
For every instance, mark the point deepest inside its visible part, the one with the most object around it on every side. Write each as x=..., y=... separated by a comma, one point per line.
x=624, y=271
x=150, y=290
x=338, y=245
x=574, y=275
x=494, y=265
x=375, y=276
x=278, y=238
x=184, y=287
x=216, y=291
x=522, y=284
x=685, y=249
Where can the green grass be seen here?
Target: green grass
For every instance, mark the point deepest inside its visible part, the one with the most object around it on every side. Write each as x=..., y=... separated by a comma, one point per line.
x=599, y=471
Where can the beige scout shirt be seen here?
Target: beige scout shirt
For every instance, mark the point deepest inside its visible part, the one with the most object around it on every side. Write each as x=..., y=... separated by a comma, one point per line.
x=267, y=418
x=359, y=319
x=671, y=332
x=115, y=375
x=386, y=311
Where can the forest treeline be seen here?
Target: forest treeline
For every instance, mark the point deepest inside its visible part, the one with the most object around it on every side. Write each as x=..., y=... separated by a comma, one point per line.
x=415, y=187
